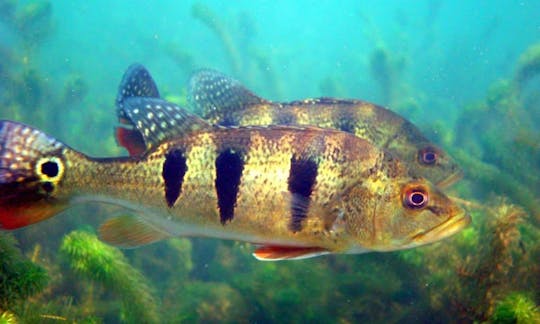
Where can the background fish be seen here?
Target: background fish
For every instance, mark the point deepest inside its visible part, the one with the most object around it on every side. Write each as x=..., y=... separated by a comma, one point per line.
x=223, y=100
x=298, y=192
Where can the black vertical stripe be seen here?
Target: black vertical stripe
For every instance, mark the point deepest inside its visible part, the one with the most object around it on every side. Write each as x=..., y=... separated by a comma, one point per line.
x=302, y=176
x=229, y=167
x=174, y=169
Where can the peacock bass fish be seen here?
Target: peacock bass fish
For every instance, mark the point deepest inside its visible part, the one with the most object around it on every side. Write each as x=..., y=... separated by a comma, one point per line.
x=296, y=192
x=223, y=100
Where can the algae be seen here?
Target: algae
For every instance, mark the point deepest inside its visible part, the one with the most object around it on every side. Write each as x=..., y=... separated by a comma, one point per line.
x=94, y=260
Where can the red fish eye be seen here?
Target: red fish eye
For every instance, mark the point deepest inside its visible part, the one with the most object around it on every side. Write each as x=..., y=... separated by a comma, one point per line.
x=428, y=156
x=415, y=198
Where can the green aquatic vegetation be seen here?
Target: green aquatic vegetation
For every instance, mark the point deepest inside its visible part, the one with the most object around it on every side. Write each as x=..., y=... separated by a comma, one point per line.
x=183, y=59
x=516, y=308
x=467, y=282
x=205, y=302
x=99, y=262
x=528, y=66
x=7, y=318
x=164, y=262
x=75, y=89
x=208, y=17
x=34, y=22
x=386, y=69
x=19, y=277
x=488, y=178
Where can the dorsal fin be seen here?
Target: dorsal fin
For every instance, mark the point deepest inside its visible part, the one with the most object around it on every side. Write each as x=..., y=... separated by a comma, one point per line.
x=136, y=82
x=156, y=120
x=213, y=92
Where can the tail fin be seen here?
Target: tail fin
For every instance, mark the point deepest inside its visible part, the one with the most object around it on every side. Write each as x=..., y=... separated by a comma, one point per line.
x=32, y=166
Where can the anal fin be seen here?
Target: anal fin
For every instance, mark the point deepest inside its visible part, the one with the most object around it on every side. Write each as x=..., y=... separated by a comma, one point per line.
x=129, y=232
x=278, y=252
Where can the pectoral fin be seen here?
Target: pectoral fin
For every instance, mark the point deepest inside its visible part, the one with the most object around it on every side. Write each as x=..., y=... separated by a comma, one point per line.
x=277, y=252
x=130, y=232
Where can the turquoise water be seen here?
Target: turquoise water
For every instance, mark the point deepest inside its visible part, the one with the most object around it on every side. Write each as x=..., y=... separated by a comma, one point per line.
x=466, y=73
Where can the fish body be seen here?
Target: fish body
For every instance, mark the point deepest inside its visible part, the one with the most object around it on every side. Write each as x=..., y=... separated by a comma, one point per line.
x=223, y=100
x=296, y=191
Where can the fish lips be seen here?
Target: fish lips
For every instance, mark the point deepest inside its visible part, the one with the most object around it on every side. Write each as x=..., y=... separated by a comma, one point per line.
x=448, y=228
x=450, y=180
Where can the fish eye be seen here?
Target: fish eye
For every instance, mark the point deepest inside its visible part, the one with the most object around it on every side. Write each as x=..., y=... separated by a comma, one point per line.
x=428, y=156
x=415, y=198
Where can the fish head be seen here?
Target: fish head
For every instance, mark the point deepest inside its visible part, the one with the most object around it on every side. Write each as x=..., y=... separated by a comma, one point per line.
x=32, y=168
x=397, y=211
x=424, y=158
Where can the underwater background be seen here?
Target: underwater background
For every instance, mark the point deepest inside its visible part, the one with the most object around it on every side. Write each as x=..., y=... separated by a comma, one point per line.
x=466, y=73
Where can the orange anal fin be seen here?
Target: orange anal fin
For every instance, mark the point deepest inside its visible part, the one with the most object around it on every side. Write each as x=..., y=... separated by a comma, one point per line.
x=277, y=253
x=13, y=217
x=129, y=232
x=130, y=139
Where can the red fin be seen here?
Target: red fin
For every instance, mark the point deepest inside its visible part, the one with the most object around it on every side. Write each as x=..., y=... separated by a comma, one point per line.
x=129, y=232
x=278, y=252
x=131, y=140
x=13, y=217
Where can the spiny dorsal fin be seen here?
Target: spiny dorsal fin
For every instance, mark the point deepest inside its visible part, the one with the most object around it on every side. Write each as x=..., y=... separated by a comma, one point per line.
x=212, y=92
x=129, y=232
x=136, y=82
x=278, y=253
x=156, y=120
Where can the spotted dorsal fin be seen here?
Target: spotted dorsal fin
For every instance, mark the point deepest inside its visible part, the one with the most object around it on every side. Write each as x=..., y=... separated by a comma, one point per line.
x=129, y=232
x=136, y=82
x=211, y=92
x=154, y=121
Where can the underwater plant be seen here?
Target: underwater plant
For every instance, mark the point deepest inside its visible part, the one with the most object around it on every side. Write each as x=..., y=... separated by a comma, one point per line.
x=208, y=17
x=99, y=262
x=7, y=318
x=516, y=308
x=528, y=66
x=19, y=277
x=385, y=70
x=468, y=278
x=205, y=302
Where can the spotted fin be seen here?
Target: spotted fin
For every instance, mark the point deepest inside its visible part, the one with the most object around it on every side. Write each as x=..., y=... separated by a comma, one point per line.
x=211, y=92
x=136, y=82
x=154, y=121
x=130, y=232
x=278, y=253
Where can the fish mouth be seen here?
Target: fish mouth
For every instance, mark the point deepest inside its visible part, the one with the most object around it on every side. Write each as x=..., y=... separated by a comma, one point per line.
x=444, y=230
x=450, y=180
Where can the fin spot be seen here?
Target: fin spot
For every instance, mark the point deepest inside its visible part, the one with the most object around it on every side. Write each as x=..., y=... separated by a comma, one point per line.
x=50, y=169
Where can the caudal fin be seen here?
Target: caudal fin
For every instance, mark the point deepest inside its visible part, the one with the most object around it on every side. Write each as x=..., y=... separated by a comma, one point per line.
x=32, y=166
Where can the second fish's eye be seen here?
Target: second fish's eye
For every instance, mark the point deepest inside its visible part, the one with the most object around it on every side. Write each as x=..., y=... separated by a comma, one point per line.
x=428, y=156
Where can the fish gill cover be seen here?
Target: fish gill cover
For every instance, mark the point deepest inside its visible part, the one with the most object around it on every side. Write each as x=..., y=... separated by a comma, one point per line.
x=471, y=90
